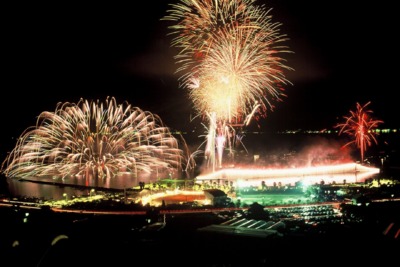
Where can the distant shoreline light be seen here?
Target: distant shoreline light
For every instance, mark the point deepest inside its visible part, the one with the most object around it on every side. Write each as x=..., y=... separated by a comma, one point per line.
x=301, y=131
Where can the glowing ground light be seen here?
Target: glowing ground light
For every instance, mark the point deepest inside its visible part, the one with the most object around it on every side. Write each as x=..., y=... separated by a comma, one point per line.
x=311, y=175
x=173, y=196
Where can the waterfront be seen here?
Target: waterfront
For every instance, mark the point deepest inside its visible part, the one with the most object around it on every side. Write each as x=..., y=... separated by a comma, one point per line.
x=43, y=236
x=56, y=188
x=283, y=150
x=52, y=190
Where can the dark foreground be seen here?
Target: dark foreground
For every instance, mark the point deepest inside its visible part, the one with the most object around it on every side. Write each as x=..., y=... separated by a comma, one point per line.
x=41, y=237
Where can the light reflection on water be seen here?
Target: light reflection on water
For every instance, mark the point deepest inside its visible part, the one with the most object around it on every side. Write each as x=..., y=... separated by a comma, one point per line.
x=39, y=190
x=49, y=188
x=55, y=191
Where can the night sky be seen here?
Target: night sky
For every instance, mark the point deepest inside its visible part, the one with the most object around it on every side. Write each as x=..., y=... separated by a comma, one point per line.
x=344, y=53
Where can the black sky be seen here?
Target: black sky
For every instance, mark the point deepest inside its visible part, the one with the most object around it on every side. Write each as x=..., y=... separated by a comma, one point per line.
x=343, y=53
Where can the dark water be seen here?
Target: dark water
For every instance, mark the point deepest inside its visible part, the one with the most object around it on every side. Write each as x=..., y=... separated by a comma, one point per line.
x=49, y=188
x=28, y=189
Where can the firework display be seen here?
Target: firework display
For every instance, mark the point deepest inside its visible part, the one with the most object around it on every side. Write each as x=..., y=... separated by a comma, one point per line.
x=237, y=75
x=360, y=125
x=229, y=53
x=230, y=50
x=91, y=138
x=196, y=24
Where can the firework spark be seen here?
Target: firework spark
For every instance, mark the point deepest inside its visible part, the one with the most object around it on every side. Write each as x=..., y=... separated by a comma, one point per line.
x=198, y=25
x=360, y=125
x=240, y=72
x=93, y=139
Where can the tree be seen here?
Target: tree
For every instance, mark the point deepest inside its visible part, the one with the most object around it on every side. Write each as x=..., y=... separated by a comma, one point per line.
x=263, y=185
x=257, y=212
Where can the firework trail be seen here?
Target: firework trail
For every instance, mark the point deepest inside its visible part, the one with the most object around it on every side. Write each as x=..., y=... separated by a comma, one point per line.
x=93, y=139
x=361, y=126
x=229, y=55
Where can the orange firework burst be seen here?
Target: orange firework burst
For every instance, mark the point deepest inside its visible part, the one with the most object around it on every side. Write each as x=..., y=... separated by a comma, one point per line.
x=198, y=23
x=241, y=72
x=231, y=49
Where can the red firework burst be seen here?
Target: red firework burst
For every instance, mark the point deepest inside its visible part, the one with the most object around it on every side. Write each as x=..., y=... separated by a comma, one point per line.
x=360, y=125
